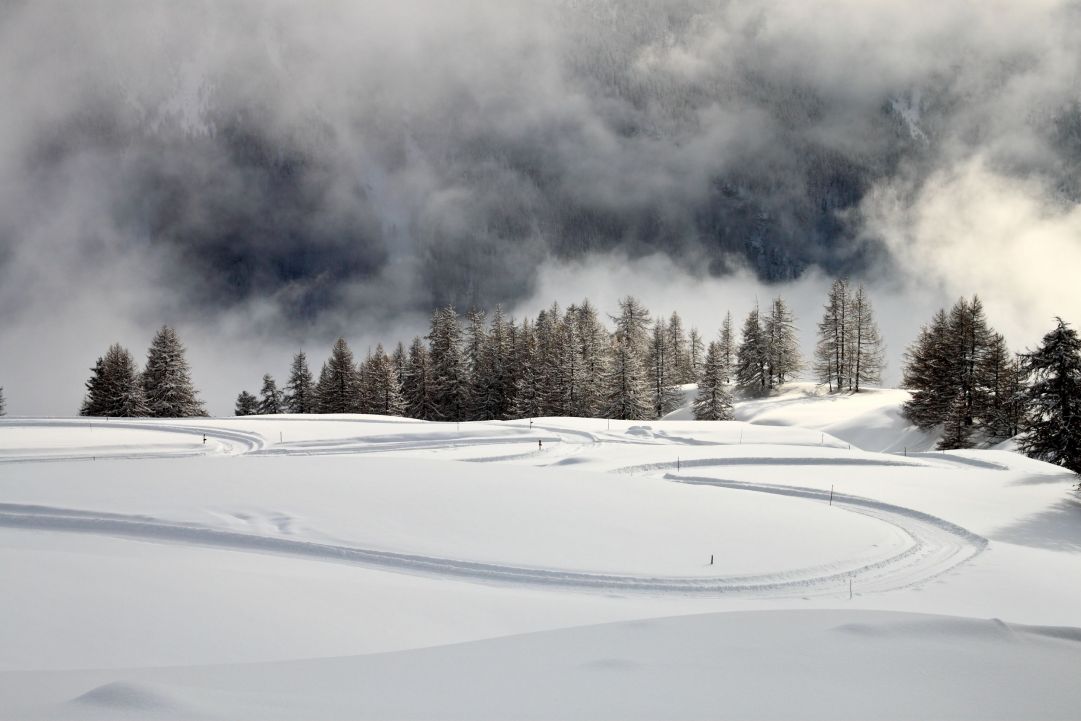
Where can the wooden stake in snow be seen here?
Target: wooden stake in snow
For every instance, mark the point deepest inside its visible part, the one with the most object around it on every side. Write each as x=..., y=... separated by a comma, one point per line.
x=677, y=463
x=831, y=495
x=711, y=559
x=850, y=588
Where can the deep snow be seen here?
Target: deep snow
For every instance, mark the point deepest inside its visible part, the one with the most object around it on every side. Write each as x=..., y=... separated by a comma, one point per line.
x=328, y=567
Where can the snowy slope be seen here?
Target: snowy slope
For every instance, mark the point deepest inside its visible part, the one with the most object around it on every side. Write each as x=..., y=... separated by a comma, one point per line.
x=370, y=567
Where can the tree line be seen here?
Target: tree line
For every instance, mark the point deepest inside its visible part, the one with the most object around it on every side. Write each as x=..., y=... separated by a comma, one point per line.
x=568, y=362
x=965, y=381
x=562, y=363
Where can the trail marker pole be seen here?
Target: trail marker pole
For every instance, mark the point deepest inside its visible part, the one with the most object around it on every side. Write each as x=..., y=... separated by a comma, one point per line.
x=711, y=559
x=677, y=463
x=850, y=588
x=281, y=437
x=831, y=495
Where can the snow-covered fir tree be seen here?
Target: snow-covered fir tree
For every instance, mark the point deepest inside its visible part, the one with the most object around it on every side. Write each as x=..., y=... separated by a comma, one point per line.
x=782, y=345
x=450, y=372
x=679, y=351
x=115, y=388
x=339, y=388
x=752, y=357
x=246, y=404
x=475, y=344
x=627, y=397
x=3, y=408
x=529, y=386
x=595, y=348
x=385, y=393
x=270, y=398
x=397, y=359
x=695, y=349
x=726, y=346
x=632, y=324
x=663, y=373
x=1052, y=424
x=713, y=402
x=418, y=392
x=866, y=353
x=300, y=390
x=568, y=377
x=167, y=379
x=492, y=389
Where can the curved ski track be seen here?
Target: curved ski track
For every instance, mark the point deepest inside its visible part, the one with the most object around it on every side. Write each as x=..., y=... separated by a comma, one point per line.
x=932, y=545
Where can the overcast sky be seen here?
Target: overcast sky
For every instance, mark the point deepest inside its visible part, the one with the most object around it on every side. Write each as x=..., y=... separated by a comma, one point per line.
x=266, y=175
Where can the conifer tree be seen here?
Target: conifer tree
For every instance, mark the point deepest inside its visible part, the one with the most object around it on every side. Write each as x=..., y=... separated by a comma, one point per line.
x=627, y=396
x=167, y=379
x=595, y=347
x=929, y=375
x=1052, y=424
x=955, y=428
x=866, y=353
x=3, y=409
x=695, y=349
x=782, y=345
x=679, y=351
x=632, y=324
x=397, y=360
x=529, y=386
x=115, y=388
x=94, y=402
x=726, y=346
x=831, y=363
x=339, y=388
x=450, y=373
x=996, y=379
x=665, y=396
x=713, y=401
x=419, y=389
x=246, y=404
x=475, y=343
x=322, y=388
x=385, y=393
x=566, y=377
x=300, y=390
x=492, y=392
x=752, y=358
x=270, y=398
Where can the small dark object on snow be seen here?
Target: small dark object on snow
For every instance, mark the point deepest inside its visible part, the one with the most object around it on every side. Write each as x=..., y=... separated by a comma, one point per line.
x=539, y=444
x=204, y=439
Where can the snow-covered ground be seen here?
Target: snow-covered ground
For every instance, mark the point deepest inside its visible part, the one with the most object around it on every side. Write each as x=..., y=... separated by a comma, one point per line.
x=814, y=559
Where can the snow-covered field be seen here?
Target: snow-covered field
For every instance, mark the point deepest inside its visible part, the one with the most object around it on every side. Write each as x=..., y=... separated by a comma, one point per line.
x=814, y=559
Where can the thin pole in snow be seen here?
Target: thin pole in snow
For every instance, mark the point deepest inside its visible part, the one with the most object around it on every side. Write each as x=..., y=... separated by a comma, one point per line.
x=677, y=463
x=281, y=437
x=831, y=495
x=711, y=559
x=850, y=588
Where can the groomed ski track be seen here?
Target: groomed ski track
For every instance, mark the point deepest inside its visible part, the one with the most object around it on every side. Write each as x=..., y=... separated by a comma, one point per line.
x=927, y=546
